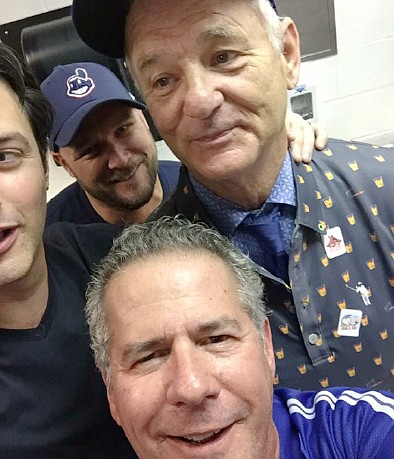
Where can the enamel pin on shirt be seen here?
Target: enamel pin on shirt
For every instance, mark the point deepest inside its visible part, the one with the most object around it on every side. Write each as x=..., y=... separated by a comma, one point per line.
x=334, y=244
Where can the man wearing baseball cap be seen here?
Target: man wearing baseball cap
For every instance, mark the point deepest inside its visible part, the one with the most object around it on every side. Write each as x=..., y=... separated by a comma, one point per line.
x=101, y=137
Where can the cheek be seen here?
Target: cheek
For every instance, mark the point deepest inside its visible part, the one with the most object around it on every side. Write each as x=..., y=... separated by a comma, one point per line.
x=30, y=193
x=136, y=403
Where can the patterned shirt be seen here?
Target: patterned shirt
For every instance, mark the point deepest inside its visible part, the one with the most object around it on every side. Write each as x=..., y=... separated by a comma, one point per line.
x=334, y=326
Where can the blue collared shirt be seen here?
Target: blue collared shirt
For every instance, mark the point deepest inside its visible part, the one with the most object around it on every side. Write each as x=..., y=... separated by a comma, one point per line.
x=227, y=216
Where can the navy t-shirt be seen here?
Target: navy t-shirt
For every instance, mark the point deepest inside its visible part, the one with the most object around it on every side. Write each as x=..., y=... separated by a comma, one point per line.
x=53, y=402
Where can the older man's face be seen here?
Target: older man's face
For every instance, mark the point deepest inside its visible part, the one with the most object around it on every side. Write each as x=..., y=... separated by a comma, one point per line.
x=213, y=83
x=190, y=375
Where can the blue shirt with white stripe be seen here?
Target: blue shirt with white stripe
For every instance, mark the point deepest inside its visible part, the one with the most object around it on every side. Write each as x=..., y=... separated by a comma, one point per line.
x=337, y=423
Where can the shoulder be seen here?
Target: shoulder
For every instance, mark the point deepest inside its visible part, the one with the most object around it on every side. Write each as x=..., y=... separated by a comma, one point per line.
x=169, y=166
x=181, y=201
x=62, y=206
x=90, y=243
x=344, y=166
x=355, y=156
x=321, y=418
x=169, y=175
x=72, y=205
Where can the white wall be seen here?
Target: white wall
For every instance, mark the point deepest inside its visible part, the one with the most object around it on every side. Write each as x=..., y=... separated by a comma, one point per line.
x=354, y=89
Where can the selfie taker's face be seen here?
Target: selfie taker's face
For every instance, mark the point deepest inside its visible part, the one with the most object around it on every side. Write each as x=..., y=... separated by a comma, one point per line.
x=214, y=84
x=22, y=192
x=190, y=374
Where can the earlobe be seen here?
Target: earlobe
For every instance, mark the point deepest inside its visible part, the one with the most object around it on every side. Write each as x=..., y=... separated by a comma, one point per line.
x=268, y=346
x=291, y=51
x=60, y=161
x=111, y=401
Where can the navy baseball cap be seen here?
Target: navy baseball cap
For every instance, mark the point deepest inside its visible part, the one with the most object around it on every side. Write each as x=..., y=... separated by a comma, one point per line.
x=74, y=90
x=101, y=24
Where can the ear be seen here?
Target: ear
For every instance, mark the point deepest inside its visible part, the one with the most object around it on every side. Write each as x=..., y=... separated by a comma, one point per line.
x=268, y=347
x=59, y=160
x=291, y=51
x=46, y=168
x=111, y=399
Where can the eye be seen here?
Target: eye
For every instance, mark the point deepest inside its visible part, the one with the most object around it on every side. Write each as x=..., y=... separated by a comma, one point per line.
x=217, y=339
x=124, y=129
x=224, y=56
x=9, y=158
x=162, y=82
x=6, y=156
x=152, y=357
x=89, y=152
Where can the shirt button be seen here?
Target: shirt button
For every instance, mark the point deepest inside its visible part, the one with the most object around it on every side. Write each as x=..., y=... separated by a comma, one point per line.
x=313, y=338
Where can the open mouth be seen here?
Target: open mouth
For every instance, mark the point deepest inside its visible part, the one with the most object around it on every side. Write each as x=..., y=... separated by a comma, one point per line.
x=5, y=233
x=202, y=439
x=7, y=238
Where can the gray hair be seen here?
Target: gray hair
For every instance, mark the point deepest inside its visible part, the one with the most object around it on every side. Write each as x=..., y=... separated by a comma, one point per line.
x=271, y=23
x=269, y=19
x=166, y=235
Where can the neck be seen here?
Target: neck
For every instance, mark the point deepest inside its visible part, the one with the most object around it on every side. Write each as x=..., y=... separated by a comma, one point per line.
x=123, y=217
x=251, y=187
x=23, y=302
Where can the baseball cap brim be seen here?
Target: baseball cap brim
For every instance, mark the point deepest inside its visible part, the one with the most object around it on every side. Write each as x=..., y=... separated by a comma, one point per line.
x=71, y=125
x=101, y=24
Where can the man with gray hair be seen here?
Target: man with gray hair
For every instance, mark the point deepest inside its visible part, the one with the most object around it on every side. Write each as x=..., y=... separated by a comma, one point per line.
x=179, y=333
x=214, y=75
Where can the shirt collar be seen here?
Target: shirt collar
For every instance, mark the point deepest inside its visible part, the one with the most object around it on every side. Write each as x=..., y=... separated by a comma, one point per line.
x=226, y=215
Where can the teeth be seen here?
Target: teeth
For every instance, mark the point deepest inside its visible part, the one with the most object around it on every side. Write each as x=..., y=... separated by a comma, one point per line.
x=201, y=438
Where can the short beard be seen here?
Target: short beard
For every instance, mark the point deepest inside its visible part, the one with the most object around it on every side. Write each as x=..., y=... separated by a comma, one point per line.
x=107, y=195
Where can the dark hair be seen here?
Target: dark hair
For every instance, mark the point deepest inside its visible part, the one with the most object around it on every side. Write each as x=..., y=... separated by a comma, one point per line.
x=39, y=112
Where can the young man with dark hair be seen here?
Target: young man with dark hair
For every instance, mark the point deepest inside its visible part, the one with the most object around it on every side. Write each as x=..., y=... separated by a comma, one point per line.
x=52, y=399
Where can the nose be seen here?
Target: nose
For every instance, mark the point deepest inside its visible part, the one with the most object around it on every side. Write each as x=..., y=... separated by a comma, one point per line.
x=202, y=96
x=118, y=156
x=191, y=378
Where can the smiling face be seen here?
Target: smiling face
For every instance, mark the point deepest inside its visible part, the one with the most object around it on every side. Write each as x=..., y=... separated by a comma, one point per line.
x=22, y=194
x=214, y=84
x=113, y=157
x=190, y=375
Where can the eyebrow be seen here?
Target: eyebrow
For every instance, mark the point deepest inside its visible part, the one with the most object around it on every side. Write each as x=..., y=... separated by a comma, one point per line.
x=218, y=33
x=218, y=324
x=132, y=349
x=148, y=61
x=14, y=136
